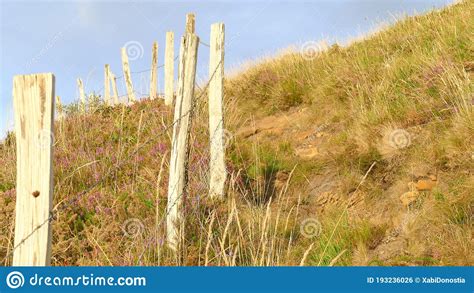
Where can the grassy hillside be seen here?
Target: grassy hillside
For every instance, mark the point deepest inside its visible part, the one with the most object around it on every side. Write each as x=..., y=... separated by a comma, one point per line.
x=359, y=155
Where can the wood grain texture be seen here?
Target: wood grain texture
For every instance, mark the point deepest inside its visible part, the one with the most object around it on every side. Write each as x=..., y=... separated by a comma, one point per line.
x=169, y=69
x=33, y=99
x=180, y=143
x=218, y=173
x=153, y=77
x=190, y=23
x=127, y=76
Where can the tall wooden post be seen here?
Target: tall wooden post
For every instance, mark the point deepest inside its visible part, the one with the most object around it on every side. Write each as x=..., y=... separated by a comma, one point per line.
x=169, y=68
x=190, y=23
x=107, y=85
x=113, y=79
x=82, y=96
x=180, y=143
x=33, y=99
x=218, y=171
x=154, y=64
x=59, y=108
x=126, y=75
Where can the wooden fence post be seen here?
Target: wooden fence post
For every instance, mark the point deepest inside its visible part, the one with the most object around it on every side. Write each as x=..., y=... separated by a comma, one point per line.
x=180, y=144
x=217, y=168
x=169, y=69
x=33, y=99
x=114, y=88
x=153, y=77
x=82, y=96
x=190, y=23
x=107, y=84
x=126, y=75
x=59, y=107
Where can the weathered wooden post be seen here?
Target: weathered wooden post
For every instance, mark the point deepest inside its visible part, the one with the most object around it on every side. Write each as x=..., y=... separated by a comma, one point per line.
x=114, y=88
x=33, y=99
x=190, y=23
x=169, y=68
x=107, y=84
x=154, y=64
x=59, y=107
x=82, y=96
x=180, y=144
x=126, y=75
x=218, y=173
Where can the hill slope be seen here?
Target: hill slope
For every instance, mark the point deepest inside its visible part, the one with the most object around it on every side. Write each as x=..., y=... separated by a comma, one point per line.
x=359, y=155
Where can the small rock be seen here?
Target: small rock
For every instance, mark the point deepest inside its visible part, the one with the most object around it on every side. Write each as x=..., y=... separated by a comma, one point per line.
x=247, y=132
x=281, y=178
x=408, y=197
x=425, y=184
x=469, y=66
x=307, y=152
x=304, y=135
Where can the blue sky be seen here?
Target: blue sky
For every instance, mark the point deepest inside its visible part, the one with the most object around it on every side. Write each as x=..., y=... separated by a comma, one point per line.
x=76, y=38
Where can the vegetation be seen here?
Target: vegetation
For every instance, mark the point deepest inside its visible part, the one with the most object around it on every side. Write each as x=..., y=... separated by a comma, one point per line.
x=361, y=154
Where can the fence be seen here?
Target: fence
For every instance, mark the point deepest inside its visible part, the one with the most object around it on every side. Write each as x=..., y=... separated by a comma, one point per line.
x=34, y=101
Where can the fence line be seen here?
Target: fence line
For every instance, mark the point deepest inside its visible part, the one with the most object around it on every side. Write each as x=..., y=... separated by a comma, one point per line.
x=180, y=143
x=117, y=167
x=112, y=76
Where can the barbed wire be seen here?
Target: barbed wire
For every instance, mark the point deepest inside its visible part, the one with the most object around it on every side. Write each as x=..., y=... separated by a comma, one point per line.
x=205, y=44
x=117, y=167
x=134, y=72
x=178, y=198
x=147, y=70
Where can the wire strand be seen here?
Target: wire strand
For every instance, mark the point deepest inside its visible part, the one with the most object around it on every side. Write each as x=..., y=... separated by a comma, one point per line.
x=64, y=205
